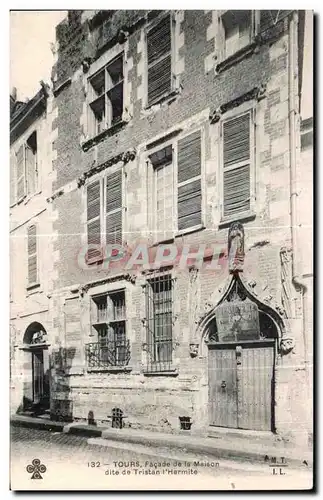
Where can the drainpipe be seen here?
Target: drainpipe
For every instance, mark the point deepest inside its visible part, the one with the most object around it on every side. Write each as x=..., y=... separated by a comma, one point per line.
x=298, y=278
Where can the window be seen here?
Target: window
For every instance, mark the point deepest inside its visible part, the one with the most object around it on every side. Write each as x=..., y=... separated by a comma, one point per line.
x=237, y=159
x=159, y=58
x=162, y=162
x=177, y=169
x=237, y=26
x=24, y=170
x=109, y=322
x=32, y=255
x=159, y=325
x=106, y=97
x=104, y=213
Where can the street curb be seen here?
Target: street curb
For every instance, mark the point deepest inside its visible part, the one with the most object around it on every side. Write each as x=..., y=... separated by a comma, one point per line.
x=216, y=449
x=36, y=423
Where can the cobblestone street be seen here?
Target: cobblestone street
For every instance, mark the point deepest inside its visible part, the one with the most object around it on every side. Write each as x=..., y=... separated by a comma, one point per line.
x=74, y=462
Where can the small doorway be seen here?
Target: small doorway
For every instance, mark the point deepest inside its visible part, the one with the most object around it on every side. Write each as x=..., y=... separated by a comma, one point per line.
x=36, y=396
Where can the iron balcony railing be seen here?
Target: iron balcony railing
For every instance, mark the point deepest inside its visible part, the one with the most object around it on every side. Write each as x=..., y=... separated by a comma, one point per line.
x=108, y=353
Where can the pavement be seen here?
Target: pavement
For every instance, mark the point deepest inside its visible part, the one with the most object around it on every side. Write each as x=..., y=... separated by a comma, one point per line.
x=253, y=447
x=75, y=462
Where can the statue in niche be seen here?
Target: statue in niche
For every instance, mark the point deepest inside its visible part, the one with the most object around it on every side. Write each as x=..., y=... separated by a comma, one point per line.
x=236, y=247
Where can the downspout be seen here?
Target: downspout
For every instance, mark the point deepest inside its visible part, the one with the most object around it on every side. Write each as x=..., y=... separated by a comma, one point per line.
x=298, y=279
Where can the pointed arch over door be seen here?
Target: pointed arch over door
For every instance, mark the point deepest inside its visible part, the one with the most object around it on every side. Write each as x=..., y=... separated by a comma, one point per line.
x=241, y=336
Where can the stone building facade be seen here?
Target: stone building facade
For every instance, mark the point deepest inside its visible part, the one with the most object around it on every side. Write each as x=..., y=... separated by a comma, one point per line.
x=30, y=253
x=175, y=137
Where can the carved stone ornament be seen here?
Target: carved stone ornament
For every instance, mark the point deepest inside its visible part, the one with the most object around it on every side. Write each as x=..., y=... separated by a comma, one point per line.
x=39, y=337
x=123, y=36
x=215, y=116
x=145, y=346
x=236, y=247
x=287, y=344
x=86, y=63
x=194, y=350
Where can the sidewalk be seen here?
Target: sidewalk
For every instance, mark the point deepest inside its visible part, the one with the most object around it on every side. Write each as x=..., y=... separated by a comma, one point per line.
x=224, y=446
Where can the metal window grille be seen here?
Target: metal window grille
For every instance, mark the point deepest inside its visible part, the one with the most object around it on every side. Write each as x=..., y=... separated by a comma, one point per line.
x=159, y=305
x=117, y=418
x=112, y=348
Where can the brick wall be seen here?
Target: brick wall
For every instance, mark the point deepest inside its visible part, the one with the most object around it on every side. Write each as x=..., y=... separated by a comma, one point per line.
x=202, y=92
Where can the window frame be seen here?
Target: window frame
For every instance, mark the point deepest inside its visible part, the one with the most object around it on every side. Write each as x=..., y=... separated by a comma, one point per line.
x=147, y=29
x=103, y=215
x=106, y=323
x=221, y=28
x=150, y=363
x=91, y=119
x=152, y=181
x=246, y=108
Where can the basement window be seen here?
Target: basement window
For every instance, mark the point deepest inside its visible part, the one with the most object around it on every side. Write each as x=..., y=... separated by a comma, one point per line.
x=106, y=97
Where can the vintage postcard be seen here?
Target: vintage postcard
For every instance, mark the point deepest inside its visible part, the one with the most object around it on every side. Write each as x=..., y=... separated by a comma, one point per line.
x=161, y=270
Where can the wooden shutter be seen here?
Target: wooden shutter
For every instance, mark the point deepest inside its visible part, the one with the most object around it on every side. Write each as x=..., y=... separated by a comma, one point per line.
x=189, y=194
x=159, y=60
x=21, y=180
x=32, y=255
x=93, y=219
x=13, y=179
x=30, y=169
x=236, y=165
x=114, y=208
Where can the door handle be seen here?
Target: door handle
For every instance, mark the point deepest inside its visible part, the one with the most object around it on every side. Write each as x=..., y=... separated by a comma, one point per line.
x=223, y=385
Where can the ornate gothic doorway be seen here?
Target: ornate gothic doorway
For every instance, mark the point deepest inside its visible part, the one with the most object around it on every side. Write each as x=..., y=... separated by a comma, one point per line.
x=241, y=344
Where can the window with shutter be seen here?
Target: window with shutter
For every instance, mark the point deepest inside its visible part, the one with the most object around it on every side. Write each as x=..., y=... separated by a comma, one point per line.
x=189, y=193
x=159, y=57
x=23, y=170
x=32, y=255
x=21, y=179
x=31, y=163
x=236, y=165
x=93, y=219
x=113, y=208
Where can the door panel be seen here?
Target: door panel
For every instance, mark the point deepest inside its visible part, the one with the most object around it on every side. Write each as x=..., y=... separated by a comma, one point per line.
x=222, y=388
x=256, y=385
x=241, y=385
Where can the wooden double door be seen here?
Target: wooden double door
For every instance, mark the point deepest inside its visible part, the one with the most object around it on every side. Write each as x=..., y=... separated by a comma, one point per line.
x=241, y=385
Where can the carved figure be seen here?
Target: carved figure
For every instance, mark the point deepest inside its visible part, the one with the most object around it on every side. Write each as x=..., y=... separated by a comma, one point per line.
x=236, y=247
x=194, y=350
x=287, y=344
